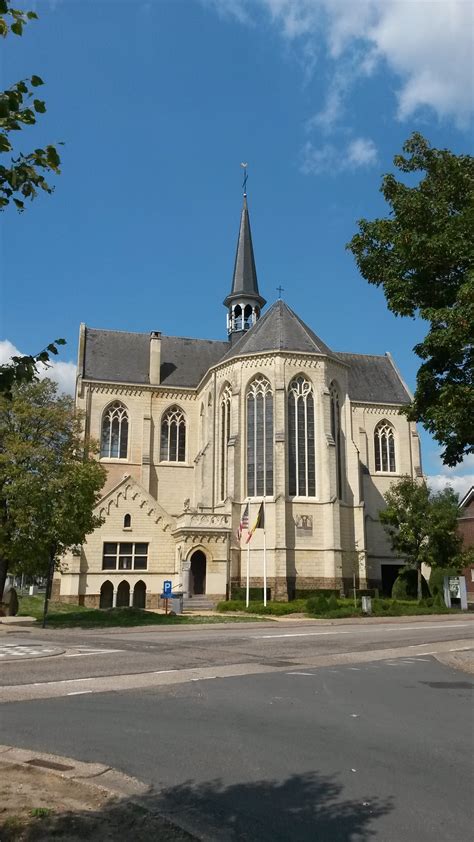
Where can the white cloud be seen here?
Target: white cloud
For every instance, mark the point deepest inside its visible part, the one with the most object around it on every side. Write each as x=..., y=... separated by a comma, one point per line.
x=460, y=484
x=360, y=152
x=428, y=44
x=63, y=373
x=460, y=477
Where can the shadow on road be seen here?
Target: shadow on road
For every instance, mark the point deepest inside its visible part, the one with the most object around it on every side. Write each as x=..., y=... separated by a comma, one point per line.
x=303, y=807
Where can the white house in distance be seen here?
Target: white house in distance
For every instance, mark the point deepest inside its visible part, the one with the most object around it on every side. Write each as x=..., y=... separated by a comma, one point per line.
x=191, y=430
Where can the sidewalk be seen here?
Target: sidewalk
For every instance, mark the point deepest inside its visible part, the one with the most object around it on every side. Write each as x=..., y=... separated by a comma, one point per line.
x=44, y=797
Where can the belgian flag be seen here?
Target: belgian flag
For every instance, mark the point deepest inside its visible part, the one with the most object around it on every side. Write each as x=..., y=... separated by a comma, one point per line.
x=259, y=522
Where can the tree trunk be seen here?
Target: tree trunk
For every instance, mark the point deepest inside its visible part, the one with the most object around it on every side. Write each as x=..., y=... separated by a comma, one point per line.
x=3, y=575
x=420, y=590
x=49, y=582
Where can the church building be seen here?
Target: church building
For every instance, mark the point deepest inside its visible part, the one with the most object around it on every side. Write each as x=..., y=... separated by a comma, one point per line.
x=196, y=434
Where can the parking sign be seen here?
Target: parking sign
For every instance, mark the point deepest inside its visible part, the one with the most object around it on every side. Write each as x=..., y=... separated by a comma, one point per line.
x=167, y=587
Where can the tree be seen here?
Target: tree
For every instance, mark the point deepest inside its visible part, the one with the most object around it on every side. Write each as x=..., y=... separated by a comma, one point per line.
x=49, y=485
x=22, y=176
x=24, y=369
x=423, y=257
x=422, y=526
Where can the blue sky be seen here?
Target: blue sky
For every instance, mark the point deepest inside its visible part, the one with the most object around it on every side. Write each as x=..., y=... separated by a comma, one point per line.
x=158, y=102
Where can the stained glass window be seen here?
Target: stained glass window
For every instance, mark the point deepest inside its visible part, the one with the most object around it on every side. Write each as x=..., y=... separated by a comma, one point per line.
x=173, y=436
x=114, y=437
x=301, y=440
x=259, y=438
x=384, y=446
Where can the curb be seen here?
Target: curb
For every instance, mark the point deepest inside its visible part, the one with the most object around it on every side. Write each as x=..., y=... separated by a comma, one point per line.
x=95, y=775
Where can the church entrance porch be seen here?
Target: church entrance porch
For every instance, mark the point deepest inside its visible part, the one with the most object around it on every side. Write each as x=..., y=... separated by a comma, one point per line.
x=197, y=584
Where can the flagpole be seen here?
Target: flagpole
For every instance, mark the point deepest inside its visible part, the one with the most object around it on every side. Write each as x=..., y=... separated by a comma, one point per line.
x=247, y=597
x=264, y=555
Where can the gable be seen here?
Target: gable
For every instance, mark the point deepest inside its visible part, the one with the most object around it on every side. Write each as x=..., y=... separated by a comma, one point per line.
x=131, y=497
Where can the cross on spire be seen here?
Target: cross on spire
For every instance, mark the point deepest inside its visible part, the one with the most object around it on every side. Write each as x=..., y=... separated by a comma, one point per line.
x=279, y=290
x=244, y=183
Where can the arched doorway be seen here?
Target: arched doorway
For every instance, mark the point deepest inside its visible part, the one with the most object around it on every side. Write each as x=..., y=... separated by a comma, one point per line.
x=123, y=595
x=198, y=573
x=139, y=595
x=106, y=595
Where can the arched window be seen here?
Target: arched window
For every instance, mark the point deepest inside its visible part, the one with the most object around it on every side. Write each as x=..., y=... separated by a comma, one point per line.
x=384, y=446
x=336, y=434
x=225, y=436
x=127, y=522
x=259, y=438
x=302, y=467
x=173, y=436
x=114, y=438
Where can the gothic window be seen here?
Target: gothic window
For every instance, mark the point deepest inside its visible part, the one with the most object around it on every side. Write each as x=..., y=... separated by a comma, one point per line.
x=224, y=436
x=127, y=522
x=114, y=437
x=173, y=436
x=259, y=438
x=301, y=442
x=384, y=446
x=336, y=434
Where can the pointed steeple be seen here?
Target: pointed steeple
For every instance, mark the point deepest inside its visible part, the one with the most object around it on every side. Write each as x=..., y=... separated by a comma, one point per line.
x=244, y=300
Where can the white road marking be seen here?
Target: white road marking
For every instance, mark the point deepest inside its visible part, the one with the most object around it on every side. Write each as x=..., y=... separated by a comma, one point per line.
x=418, y=627
x=79, y=693
x=300, y=673
x=160, y=672
x=296, y=634
x=355, y=669
x=463, y=649
x=95, y=652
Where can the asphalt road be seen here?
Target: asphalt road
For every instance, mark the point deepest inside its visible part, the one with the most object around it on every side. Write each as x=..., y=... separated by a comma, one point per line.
x=281, y=732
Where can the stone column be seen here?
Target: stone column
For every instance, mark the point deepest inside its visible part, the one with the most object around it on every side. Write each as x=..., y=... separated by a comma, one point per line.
x=130, y=601
x=186, y=571
x=114, y=597
x=283, y=570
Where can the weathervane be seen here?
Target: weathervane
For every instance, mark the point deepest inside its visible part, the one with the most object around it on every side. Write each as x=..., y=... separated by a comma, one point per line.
x=244, y=183
x=279, y=290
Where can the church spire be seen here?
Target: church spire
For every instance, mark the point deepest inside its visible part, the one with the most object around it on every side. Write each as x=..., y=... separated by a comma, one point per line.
x=244, y=300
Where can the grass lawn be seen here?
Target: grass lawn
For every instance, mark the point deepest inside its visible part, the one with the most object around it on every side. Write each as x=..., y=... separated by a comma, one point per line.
x=345, y=608
x=61, y=615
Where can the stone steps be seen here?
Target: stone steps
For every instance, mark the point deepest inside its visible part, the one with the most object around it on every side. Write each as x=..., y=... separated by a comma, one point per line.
x=195, y=604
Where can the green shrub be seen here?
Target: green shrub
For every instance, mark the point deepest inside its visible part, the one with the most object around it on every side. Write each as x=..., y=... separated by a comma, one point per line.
x=437, y=579
x=317, y=605
x=255, y=594
x=406, y=585
x=438, y=601
x=309, y=594
x=333, y=604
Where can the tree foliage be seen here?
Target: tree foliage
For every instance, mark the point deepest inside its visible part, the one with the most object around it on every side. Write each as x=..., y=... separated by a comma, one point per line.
x=422, y=527
x=48, y=484
x=422, y=255
x=21, y=177
x=24, y=369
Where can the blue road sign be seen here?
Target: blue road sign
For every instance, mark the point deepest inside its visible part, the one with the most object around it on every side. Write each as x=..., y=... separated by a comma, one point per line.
x=167, y=587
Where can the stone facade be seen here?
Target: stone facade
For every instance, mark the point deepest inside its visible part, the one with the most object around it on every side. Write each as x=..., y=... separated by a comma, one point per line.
x=182, y=512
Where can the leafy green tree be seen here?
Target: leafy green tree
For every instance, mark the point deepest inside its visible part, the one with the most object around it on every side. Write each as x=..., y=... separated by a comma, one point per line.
x=422, y=255
x=23, y=175
x=49, y=485
x=422, y=526
x=24, y=369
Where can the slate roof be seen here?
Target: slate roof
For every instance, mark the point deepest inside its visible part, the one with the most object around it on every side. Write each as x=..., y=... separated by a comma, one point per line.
x=244, y=281
x=280, y=329
x=374, y=378
x=120, y=357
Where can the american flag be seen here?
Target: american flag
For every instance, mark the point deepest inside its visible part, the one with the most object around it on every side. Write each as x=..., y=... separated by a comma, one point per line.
x=244, y=522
